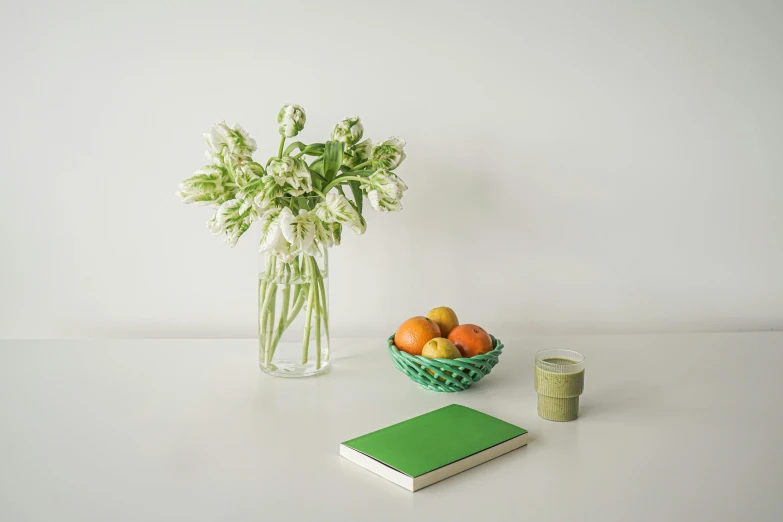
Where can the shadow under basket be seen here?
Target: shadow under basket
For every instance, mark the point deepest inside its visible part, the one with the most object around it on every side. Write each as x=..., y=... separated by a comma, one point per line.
x=448, y=375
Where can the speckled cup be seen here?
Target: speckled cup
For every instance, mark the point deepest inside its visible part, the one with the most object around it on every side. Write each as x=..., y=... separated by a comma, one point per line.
x=559, y=381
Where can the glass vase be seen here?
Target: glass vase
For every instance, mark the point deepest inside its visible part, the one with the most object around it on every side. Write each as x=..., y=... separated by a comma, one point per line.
x=293, y=315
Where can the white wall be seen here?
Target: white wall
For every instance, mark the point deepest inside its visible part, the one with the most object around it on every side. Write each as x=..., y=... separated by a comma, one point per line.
x=573, y=166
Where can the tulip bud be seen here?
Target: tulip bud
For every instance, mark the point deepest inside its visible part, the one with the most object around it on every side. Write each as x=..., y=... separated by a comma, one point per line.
x=291, y=119
x=348, y=131
x=388, y=154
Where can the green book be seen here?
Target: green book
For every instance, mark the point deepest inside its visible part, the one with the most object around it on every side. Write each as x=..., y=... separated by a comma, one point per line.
x=434, y=446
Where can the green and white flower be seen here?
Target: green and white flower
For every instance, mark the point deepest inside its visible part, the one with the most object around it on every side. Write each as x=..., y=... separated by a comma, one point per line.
x=298, y=230
x=335, y=230
x=243, y=191
x=291, y=119
x=388, y=154
x=247, y=172
x=384, y=190
x=232, y=218
x=358, y=153
x=337, y=209
x=270, y=230
x=322, y=239
x=272, y=240
x=348, y=131
x=229, y=143
x=291, y=173
x=264, y=193
x=208, y=186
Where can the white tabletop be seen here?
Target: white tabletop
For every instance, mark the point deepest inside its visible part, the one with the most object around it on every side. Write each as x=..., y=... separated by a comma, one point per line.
x=672, y=427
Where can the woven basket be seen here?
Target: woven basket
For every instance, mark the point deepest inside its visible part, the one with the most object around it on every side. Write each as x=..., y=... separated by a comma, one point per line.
x=451, y=375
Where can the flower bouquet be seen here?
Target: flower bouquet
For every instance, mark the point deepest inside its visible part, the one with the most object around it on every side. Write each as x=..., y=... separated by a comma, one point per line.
x=301, y=198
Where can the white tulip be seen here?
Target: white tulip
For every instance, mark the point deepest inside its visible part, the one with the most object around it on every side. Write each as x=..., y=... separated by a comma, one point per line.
x=299, y=230
x=229, y=144
x=348, y=131
x=384, y=190
x=247, y=171
x=205, y=187
x=291, y=172
x=271, y=234
x=335, y=230
x=272, y=240
x=286, y=252
x=232, y=218
x=291, y=119
x=337, y=209
x=264, y=193
x=321, y=238
x=388, y=154
x=358, y=154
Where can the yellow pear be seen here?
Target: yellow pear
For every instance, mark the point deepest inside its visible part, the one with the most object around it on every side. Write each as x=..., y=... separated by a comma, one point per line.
x=445, y=318
x=440, y=348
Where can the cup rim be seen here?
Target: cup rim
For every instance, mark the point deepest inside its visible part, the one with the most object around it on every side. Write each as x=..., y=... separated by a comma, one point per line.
x=577, y=364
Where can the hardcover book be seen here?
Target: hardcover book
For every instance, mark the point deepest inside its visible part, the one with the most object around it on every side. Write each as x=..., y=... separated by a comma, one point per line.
x=431, y=447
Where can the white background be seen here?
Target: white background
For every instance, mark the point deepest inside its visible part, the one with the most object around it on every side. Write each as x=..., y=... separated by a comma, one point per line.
x=573, y=166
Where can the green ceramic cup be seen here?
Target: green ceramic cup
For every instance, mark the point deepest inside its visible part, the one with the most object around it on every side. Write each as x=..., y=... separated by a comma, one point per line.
x=559, y=381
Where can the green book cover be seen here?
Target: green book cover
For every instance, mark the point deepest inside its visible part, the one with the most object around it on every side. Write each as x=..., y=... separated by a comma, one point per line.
x=436, y=439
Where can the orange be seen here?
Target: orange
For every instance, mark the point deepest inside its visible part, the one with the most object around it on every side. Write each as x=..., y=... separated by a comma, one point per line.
x=445, y=318
x=470, y=340
x=414, y=333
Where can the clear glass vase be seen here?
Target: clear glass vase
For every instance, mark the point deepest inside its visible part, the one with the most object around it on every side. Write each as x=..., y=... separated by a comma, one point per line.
x=293, y=315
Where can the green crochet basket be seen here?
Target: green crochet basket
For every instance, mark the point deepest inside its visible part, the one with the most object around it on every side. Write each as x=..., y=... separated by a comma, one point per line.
x=451, y=375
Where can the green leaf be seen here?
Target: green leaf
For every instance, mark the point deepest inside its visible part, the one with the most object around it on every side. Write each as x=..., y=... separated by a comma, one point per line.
x=305, y=203
x=318, y=177
x=363, y=173
x=357, y=194
x=333, y=159
x=314, y=149
x=295, y=145
x=318, y=166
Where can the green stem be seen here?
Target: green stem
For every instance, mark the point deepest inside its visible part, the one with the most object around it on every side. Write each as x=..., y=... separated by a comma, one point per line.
x=317, y=300
x=297, y=276
x=360, y=165
x=337, y=181
x=261, y=294
x=269, y=286
x=296, y=309
x=309, y=317
x=291, y=305
x=325, y=314
x=281, y=322
x=280, y=150
x=263, y=322
x=270, y=325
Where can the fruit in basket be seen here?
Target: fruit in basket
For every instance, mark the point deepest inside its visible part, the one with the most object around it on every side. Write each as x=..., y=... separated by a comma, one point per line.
x=445, y=318
x=470, y=340
x=414, y=333
x=440, y=348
